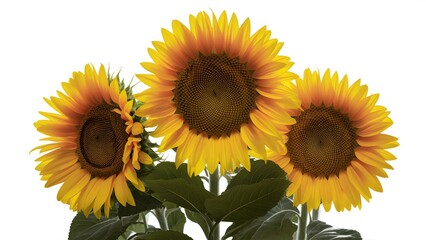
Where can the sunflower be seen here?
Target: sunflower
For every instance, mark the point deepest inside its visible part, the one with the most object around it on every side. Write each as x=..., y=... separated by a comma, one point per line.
x=336, y=150
x=94, y=144
x=213, y=90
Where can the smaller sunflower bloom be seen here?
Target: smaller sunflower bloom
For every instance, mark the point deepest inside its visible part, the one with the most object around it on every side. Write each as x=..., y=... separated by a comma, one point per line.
x=337, y=148
x=94, y=144
x=214, y=88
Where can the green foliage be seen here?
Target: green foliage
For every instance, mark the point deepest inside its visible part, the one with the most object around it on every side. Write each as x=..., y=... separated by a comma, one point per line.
x=132, y=230
x=318, y=230
x=175, y=219
x=253, y=201
x=251, y=195
x=180, y=192
x=277, y=222
x=259, y=170
x=143, y=201
x=167, y=170
x=162, y=235
x=169, y=184
x=91, y=228
x=200, y=219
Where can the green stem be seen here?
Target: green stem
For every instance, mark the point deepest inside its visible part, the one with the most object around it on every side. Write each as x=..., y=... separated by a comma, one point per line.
x=160, y=213
x=214, y=182
x=145, y=223
x=214, y=188
x=303, y=220
x=315, y=214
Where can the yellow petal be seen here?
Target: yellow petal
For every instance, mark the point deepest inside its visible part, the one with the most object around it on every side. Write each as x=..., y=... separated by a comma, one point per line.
x=73, y=185
x=122, y=191
x=105, y=189
x=137, y=128
x=251, y=138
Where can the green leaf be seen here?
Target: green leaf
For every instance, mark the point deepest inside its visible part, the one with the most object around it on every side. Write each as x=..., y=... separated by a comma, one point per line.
x=180, y=192
x=174, y=185
x=162, y=235
x=275, y=224
x=91, y=228
x=251, y=194
x=175, y=219
x=133, y=229
x=143, y=202
x=246, y=202
x=167, y=170
x=259, y=171
x=318, y=230
x=200, y=219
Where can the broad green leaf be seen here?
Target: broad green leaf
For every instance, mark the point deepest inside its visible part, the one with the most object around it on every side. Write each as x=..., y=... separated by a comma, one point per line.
x=143, y=202
x=163, y=235
x=133, y=229
x=245, y=202
x=167, y=170
x=91, y=228
x=200, y=219
x=259, y=171
x=318, y=230
x=275, y=224
x=250, y=194
x=175, y=219
x=180, y=192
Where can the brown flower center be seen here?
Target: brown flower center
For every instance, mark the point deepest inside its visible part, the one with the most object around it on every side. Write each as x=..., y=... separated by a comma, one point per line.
x=215, y=94
x=322, y=142
x=101, y=142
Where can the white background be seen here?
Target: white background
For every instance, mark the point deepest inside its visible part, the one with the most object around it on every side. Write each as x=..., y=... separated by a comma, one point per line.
x=43, y=42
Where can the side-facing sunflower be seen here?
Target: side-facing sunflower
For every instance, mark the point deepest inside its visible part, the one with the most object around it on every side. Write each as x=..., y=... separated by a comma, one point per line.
x=214, y=89
x=94, y=143
x=336, y=150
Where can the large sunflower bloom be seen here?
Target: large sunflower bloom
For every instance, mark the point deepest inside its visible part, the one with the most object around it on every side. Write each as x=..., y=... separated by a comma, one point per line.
x=336, y=150
x=94, y=143
x=214, y=89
